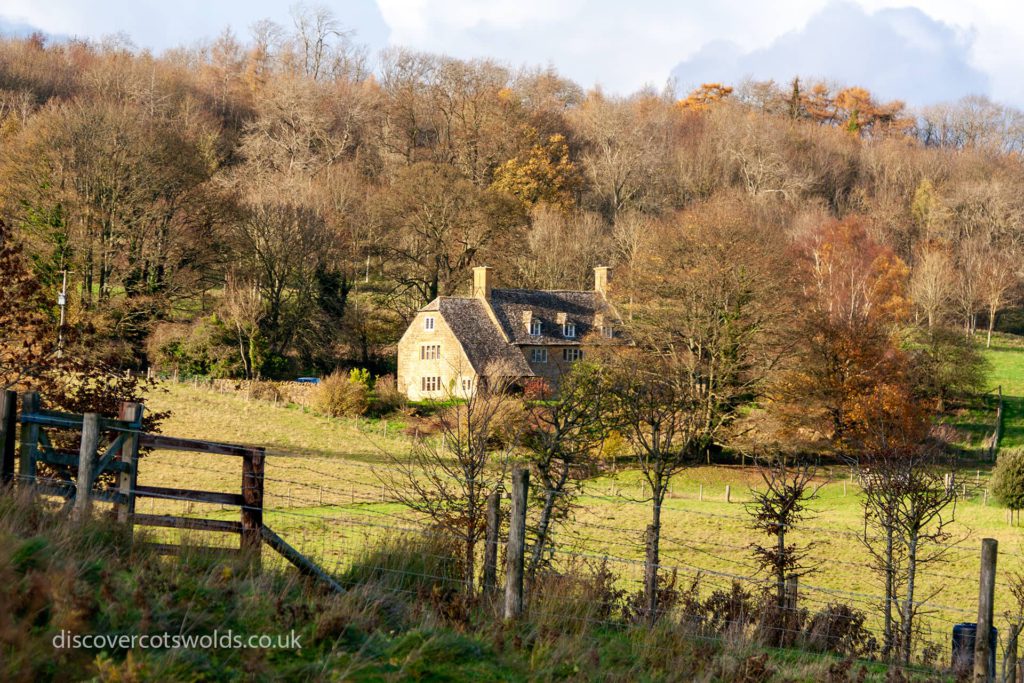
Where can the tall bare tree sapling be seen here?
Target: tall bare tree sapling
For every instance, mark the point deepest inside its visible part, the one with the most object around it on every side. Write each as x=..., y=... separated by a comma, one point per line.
x=563, y=433
x=449, y=476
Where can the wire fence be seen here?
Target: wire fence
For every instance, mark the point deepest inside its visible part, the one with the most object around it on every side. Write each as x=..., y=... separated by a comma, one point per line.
x=338, y=519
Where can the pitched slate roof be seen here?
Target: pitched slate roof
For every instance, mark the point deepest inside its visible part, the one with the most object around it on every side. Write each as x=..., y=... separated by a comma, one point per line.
x=578, y=307
x=482, y=341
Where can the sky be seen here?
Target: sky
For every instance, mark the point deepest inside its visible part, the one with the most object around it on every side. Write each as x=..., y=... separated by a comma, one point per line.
x=919, y=51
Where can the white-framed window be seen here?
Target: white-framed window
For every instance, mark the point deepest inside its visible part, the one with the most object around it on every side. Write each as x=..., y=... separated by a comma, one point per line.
x=569, y=330
x=608, y=331
x=430, y=352
x=572, y=354
x=467, y=384
x=539, y=355
x=428, y=323
x=428, y=384
x=535, y=328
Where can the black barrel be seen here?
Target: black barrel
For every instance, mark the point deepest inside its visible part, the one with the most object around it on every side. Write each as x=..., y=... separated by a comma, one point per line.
x=963, y=646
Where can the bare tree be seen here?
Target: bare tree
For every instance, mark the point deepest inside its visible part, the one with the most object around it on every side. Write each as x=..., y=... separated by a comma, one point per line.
x=325, y=47
x=999, y=275
x=933, y=284
x=563, y=434
x=909, y=506
x=449, y=477
x=661, y=404
x=1015, y=617
x=244, y=309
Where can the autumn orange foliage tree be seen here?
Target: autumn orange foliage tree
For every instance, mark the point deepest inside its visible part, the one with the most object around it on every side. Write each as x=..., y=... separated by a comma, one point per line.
x=705, y=97
x=853, y=296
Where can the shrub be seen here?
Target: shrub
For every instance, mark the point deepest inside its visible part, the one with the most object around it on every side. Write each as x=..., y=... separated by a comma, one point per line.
x=839, y=628
x=1008, y=479
x=338, y=396
x=386, y=396
x=537, y=389
x=359, y=376
x=203, y=348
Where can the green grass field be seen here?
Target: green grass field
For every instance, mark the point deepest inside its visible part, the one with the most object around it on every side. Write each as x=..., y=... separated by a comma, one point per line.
x=323, y=496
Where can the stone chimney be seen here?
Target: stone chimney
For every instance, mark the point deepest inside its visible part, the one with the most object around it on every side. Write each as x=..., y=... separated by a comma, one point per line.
x=527, y=318
x=601, y=280
x=482, y=282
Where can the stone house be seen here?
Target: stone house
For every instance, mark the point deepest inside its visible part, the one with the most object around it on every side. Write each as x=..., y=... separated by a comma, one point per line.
x=454, y=342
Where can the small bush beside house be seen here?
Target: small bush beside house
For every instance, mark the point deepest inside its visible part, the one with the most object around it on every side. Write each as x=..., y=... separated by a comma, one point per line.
x=343, y=394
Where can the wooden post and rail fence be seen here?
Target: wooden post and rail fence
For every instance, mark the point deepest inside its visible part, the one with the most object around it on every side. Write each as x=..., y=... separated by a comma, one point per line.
x=109, y=451
x=110, y=446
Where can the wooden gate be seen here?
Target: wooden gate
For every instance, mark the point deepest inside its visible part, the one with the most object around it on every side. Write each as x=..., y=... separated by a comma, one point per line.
x=111, y=446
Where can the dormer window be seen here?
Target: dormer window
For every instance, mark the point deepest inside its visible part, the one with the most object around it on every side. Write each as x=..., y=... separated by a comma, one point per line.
x=608, y=331
x=568, y=330
x=428, y=323
x=535, y=328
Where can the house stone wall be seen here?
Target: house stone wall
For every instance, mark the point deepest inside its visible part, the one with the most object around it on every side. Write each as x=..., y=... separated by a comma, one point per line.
x=554, y=368
x=452, y=367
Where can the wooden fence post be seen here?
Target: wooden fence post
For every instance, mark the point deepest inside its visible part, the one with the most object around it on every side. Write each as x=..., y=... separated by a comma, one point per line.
x=728, y=493
x=29, y=441
x=491, y=542
x=126, y=481
x=792, y=582
x=86, y=465
x=252, y=498
x=789, y=620
x=700, y=492
x=516, y=547
x=983, y=672
x=8, y=427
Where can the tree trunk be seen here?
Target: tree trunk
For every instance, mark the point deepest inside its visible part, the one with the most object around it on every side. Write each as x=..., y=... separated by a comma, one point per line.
x=780, y=569
x=470, y=560
x=991, y=324
x=544, y=523
x=908, y=603
x=246, y=360
x=887, y=638
x=651, y=565
x=1010, y=658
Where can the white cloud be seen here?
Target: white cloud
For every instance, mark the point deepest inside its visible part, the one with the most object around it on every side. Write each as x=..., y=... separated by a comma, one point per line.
x=620, y=45
x=897, y=53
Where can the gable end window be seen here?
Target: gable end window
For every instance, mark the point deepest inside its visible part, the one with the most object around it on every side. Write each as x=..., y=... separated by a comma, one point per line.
x=535, y=328
x=569, y=330
x=539, y=355
x=428, y=323
x=430, y=352
x=467, y=384
x=430, y=384
x=572, y=355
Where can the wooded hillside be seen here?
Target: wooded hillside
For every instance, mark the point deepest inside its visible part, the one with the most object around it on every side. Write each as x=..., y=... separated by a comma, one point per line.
x=280, y=204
